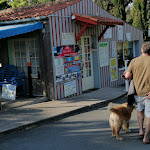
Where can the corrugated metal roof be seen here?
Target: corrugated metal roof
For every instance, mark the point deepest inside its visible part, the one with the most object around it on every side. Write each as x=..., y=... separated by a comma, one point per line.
x=34, y=11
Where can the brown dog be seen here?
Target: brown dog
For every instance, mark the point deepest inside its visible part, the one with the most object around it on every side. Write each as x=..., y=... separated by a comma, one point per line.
x=118, y=116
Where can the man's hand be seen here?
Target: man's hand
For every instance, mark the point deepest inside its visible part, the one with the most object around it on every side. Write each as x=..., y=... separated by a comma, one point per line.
x=128, y=75
x=148, y=95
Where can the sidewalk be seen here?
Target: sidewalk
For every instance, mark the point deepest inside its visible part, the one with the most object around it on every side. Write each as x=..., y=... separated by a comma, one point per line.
x=23, y=113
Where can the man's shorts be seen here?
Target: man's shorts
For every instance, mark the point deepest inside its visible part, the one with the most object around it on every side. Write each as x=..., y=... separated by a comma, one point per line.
x=145, y=104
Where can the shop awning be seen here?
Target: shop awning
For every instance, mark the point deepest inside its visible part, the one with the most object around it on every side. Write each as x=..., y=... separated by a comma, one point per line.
x=12, y=30
x=95, y=20
x=91, y=21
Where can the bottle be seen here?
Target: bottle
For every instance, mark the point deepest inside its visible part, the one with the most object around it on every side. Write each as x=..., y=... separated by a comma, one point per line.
x=5, y=81
x=13, y=81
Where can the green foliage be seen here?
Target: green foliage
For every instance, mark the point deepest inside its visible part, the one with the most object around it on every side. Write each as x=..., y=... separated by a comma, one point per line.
x=141, y=16
x=129, y=18
x=138, y=15
x=2, y=1
x=3, y=4
x=18, y=3
x=115, y=7
x=105, y=4
x=36, y=2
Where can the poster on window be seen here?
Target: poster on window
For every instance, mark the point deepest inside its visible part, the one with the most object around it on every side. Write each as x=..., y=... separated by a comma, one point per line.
x=120, y=32
x=108, y=34
x=68, y=38
x=113, y=69
x=70, y=88
x=9, y=91
x=114, y=49
x=59, y=70
x=128, y=36
x=59, y=62
x=103, y=54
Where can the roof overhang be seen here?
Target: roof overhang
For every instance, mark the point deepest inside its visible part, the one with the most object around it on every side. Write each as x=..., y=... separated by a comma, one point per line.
x=91, y=21
x=12, y=30
x=96, y=20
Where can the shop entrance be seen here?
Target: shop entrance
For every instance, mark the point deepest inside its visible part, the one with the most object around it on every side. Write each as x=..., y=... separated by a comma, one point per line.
x=87, y=63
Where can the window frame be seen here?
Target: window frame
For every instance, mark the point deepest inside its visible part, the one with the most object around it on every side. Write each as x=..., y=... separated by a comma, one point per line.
x=123, y=52
x=28, y=58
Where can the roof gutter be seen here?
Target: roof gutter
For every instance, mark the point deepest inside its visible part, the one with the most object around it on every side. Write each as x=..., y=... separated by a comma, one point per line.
x=23, y=20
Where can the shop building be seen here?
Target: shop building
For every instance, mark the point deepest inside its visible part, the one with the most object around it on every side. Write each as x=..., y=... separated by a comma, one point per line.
x=73, y=46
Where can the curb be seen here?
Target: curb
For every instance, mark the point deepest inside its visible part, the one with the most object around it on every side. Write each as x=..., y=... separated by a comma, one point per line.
x=61, y=116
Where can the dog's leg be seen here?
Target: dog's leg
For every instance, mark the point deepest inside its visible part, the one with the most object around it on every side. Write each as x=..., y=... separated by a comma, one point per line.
x=113, y=130
x=126, y=125
x=117, y=132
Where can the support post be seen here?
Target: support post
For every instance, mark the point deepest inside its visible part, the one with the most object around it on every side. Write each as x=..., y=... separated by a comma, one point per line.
x=30, y=80
x=101, y=35
x=126, y=81
x=81, y=32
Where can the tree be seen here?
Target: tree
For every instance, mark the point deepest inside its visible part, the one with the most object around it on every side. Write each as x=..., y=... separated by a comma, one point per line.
x=22, y=3
x=115, y=7
x=18, y=3
x=141, y=16
x=107, y=5
x=3, y=4
x=138, y=15
x=129, y=16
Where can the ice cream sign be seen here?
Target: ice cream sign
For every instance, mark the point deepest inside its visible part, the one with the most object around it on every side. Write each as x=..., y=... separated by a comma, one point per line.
x=67, y=51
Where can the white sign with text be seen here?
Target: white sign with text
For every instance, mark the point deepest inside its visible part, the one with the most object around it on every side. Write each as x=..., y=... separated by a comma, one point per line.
x=9, y=91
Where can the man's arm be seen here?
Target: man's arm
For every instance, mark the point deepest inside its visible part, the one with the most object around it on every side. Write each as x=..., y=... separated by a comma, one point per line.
x=128, y=75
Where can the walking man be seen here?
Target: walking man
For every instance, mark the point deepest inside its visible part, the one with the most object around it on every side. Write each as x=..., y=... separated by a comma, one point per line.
x=139, y=69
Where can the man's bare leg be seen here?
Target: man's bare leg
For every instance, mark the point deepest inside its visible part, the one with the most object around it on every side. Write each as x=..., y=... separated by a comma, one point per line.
x=147, y=130
x=140, y=116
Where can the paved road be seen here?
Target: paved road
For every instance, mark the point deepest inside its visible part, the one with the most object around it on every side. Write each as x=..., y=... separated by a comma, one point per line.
x=86, y=131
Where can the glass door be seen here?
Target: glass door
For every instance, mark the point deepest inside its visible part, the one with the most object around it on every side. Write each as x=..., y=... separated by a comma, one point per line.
x=87, y=63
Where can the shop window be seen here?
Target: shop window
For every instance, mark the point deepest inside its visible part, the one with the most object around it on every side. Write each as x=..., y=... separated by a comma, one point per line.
x=128, y=50
x=120, y=55
x=125, y=52
x=26, y=51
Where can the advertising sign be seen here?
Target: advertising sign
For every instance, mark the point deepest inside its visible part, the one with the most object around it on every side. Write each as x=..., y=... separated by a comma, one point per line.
x=9, y=91
x=67, y=51
x=103, y=54
x=128, y=36
x=114, y=49
x=108, y=34
x=120, y=32
x=59, y=70
x=68, y=38
x=70, y=88
x=113, y=69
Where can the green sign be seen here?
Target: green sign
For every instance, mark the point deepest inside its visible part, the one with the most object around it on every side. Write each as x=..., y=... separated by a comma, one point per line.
x=103, y=44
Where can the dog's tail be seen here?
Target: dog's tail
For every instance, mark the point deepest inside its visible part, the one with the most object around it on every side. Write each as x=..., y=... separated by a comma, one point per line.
x=114, y=110
x=110, y=106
